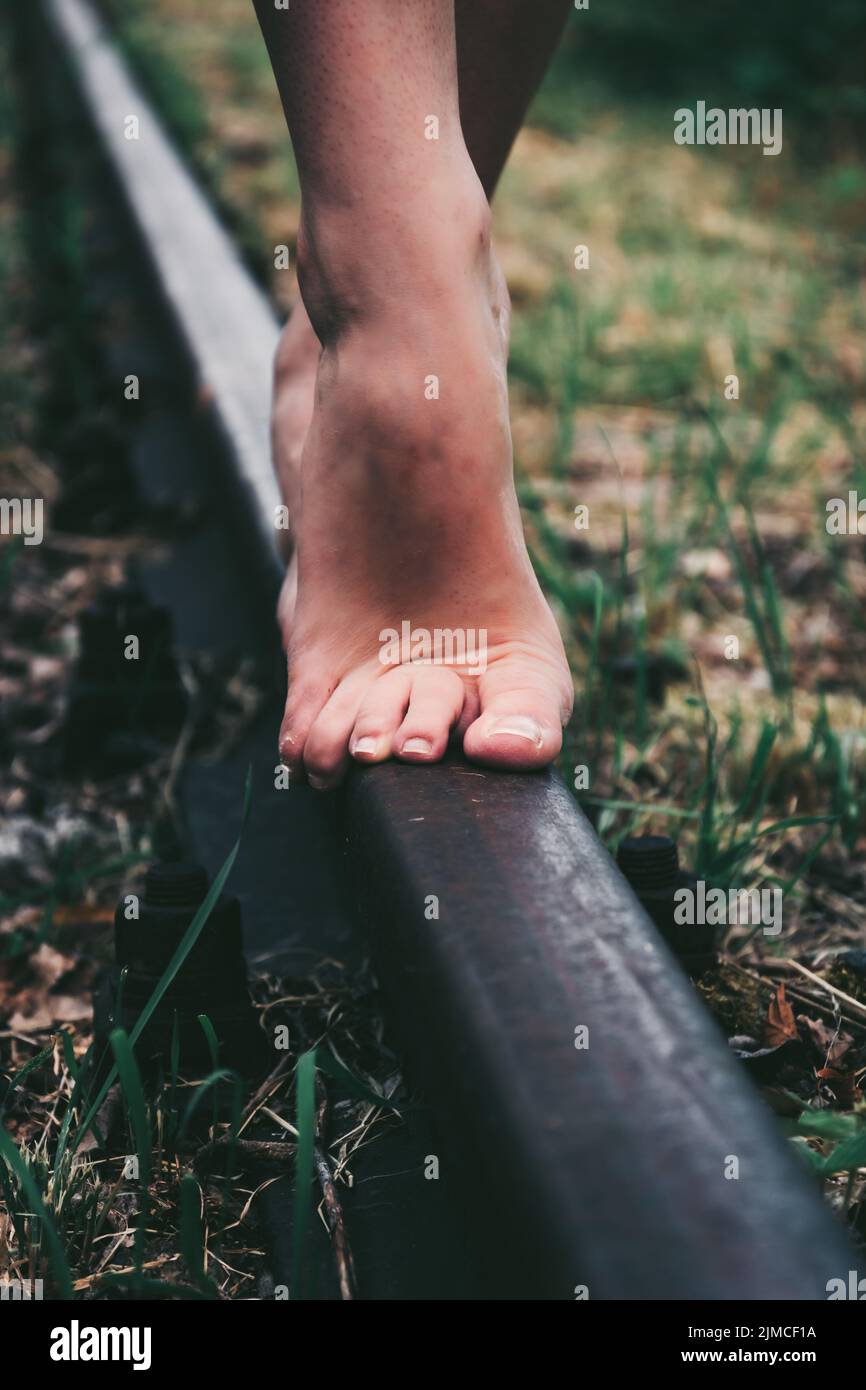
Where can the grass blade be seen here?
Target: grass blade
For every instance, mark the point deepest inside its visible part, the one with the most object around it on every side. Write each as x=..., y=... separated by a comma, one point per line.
x=192, y=1232
x=136, y=1110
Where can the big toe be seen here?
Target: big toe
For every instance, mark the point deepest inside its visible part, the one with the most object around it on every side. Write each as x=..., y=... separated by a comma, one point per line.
x=521, y=719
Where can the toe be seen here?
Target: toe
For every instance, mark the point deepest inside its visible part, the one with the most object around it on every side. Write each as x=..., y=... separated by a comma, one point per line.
x=326, y=751
x=380, y=715
x=304, y=702
x=435, y=705
x=522, y=714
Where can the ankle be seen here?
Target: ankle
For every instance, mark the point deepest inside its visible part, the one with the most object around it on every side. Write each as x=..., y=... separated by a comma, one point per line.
x=298, y=349
x=419, y=399
x=355, y=268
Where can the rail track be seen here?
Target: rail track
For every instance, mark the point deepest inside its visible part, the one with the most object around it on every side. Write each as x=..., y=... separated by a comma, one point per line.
x=596, y=1171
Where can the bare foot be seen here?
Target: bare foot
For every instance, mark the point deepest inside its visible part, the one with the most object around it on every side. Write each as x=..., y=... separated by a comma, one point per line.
x=295, y=366
x=408, y=534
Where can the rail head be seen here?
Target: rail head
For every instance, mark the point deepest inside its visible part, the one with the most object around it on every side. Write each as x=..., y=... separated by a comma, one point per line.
x=604, y=1165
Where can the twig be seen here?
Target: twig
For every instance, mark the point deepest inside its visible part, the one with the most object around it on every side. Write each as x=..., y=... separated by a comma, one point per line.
x=823, y=984
x=801, y=998
x=278, y=1120
x=330, y=1200
x=254, y=1150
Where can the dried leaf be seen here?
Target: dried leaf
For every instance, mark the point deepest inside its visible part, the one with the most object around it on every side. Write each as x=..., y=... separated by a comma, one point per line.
x=830, y=1048
x=843, y=1085
x=780, y=1025
x=53, y=988
x=50, y=1010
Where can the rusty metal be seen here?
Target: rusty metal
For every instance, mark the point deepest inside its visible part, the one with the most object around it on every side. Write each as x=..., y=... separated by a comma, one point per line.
x=650, y=864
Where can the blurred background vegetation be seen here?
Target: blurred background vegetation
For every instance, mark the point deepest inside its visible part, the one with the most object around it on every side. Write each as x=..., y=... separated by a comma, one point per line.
x=808, y=59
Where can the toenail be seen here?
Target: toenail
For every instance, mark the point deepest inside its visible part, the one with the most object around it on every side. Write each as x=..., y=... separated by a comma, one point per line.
x=319, y=784
x=417, y=745
x=519, y=726
x=364, y=745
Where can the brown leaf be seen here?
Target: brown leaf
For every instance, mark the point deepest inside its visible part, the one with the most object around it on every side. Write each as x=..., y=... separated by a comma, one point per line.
x=47, y=965
x=780, y=1025
x=46, y=1013
x=843, y=1085
x=50, y=988
x=830, y=1048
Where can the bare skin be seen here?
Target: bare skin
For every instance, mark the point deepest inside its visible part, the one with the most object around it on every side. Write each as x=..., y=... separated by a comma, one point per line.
x=402, y=500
